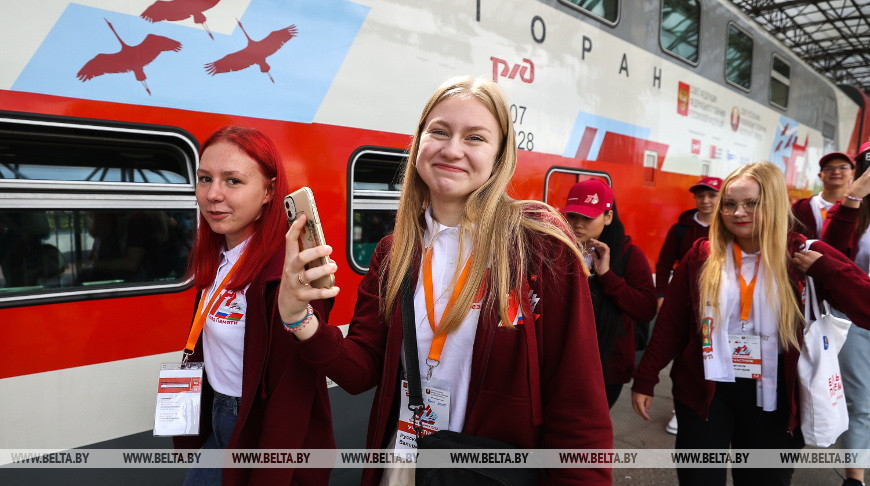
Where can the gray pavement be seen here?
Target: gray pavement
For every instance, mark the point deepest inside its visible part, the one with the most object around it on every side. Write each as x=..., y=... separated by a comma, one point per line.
x=632, y=432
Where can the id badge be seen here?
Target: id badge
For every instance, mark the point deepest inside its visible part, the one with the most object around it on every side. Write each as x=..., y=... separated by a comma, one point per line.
x=745, y=355
x=436, y=415
x=179, y=398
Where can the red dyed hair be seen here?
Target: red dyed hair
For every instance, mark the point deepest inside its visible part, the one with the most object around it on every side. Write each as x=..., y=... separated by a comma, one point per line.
x=269, y=229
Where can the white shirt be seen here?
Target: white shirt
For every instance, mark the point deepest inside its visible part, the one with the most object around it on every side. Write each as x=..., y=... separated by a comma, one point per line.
x=747, y=269
x=697, y=220
x=224, y=331
x=453, y=373
x=817, y=203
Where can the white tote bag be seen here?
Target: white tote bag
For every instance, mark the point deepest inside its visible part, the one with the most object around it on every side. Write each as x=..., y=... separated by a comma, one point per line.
x=823, y=404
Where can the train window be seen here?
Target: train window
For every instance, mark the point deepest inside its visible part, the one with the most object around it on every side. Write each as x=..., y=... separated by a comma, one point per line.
x=42, y=251
x=45, y=156
x=681, y=28
x=607, y=10
x=780, y=76
x=738, y=57
x=93, y=211
x=375, y=182
x=559, y=180
x=650, y=164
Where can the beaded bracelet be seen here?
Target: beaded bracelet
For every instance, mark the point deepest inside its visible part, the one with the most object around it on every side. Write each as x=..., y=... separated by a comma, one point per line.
x=295, y=326
x=859, y=199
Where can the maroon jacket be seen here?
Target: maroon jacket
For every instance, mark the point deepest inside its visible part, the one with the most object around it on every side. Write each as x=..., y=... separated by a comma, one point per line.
x=803, y=212
x=840, y=229
x=575, y=414
x=678, y=242
x=635, y=296
x=285, y=404
x=677, y=337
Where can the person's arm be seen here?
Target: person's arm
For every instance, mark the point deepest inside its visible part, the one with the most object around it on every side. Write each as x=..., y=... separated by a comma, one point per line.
x=838, y=280
x=355, y=362
x=842, y=221
x=634, y=293
x=839, y=228
x=667, y=260
x=669, y=335
x=859, y=189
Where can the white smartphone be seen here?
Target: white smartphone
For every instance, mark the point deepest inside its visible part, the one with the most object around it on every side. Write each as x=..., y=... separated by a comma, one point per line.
x=297, y=203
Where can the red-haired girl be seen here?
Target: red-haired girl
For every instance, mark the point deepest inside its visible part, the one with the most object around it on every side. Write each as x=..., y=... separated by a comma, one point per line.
x=258, y=392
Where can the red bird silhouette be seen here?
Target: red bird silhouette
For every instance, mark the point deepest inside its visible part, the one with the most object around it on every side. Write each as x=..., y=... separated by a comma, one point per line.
x=255, y=52
x=179, y=10
x=129, y=58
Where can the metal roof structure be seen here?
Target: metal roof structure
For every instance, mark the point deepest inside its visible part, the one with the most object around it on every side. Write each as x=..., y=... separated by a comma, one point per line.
x=833, y=36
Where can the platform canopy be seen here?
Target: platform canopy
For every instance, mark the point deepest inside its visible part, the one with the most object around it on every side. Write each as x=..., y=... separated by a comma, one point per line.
x=833, y=36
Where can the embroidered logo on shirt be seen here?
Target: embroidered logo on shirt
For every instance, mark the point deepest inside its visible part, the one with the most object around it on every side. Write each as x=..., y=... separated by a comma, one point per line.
x=227, y=310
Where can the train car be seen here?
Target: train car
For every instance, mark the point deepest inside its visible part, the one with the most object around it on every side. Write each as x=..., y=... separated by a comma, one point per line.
x=104, y=104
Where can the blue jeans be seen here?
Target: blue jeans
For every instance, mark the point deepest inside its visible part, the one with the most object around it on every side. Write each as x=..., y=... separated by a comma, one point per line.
x=224, y=411
x=855, y=370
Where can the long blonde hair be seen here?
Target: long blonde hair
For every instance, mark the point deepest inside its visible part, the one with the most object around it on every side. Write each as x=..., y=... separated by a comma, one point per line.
x=493, y=220
x=771, y=231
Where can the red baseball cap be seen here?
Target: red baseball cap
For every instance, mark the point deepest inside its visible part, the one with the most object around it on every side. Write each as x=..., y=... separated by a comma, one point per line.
x=707, y=184
x=835, y=155
x=865, y=148
x=589, y=198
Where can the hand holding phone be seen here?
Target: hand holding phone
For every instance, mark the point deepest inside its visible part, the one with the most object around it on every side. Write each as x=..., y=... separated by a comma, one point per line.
x=301, y=202
x=600, y=256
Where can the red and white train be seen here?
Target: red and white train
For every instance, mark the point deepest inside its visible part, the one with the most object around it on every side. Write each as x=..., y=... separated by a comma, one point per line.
x=104, y=103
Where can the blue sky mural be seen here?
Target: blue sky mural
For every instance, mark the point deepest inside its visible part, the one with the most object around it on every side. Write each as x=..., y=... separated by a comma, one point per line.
x=303, y=68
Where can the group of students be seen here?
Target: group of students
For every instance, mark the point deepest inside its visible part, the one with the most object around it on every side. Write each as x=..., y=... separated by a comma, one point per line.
x=714, y=408
x=524, y=320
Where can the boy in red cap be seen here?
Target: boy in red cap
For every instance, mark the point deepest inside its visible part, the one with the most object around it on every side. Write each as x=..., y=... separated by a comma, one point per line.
x=837, y=170
x=692, y=224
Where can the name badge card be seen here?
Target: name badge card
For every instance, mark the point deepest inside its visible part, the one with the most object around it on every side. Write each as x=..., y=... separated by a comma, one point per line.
x=745, y=355
x=436, y=415
x=179, y=395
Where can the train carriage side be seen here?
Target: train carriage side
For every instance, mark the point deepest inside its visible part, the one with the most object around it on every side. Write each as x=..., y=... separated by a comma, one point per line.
x=615, y=93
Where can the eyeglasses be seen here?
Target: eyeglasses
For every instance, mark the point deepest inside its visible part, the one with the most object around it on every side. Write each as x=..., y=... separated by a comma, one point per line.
x=832, y=168
x=730, y=207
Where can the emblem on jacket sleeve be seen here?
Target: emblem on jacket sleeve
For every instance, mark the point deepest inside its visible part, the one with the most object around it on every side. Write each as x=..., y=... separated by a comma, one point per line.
x=707, y=334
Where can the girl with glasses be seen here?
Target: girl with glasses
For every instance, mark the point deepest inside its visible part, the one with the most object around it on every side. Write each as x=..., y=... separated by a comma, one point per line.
x=737, y=294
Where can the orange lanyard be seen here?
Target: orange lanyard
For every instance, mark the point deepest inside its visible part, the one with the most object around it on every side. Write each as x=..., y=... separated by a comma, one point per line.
x=439, y=339
x=199, y=319
x=746, y=291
